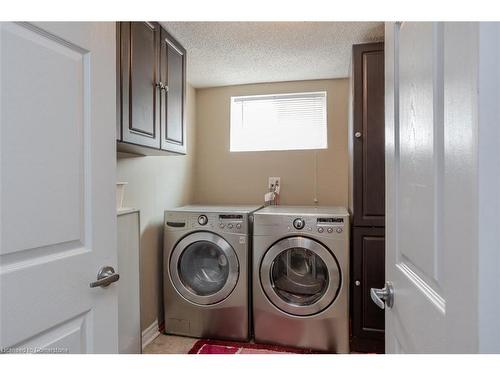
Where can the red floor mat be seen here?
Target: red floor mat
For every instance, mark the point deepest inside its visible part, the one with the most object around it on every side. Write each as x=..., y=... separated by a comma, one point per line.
x=234, y=347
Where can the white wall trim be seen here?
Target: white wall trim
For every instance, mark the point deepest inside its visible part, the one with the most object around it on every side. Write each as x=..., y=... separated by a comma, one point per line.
x=488, y=146
x=150, y=333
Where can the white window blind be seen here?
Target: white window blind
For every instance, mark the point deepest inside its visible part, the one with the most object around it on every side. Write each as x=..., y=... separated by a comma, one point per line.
x=279, y=122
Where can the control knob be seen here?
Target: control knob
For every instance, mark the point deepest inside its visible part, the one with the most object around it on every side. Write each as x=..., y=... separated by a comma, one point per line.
x=299, y=223
x=202, y=220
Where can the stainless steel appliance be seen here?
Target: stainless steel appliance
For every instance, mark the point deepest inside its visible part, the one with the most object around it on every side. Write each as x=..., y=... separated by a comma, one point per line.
x=301, y=277
x=206, y=277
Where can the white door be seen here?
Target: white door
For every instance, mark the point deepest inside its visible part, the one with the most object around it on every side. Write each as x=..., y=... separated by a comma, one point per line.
x=442, y=184
x=57, y=177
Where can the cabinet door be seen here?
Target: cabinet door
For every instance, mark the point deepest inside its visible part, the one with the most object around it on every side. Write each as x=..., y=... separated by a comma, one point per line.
x=368, y=263
x=173, y=75
x=368, y=135
x=139, y=73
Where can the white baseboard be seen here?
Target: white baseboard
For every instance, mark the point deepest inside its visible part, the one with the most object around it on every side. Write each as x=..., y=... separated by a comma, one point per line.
x=150, y=333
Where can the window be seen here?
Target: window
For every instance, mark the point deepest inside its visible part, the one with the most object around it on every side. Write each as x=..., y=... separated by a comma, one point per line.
x=279, y=122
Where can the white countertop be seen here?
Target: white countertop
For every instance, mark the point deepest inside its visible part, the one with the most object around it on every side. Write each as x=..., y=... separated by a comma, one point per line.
x=303, y=210
x=126, y=210
x=245, y=209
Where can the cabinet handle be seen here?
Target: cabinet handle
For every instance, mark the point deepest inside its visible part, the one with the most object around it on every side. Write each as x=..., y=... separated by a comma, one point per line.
x=161, y=86
x=357, y=283
x=357, y=134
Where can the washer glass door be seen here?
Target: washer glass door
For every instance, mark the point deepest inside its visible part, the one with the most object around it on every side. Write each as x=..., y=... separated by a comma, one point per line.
x=300, y=276
x=204, y=268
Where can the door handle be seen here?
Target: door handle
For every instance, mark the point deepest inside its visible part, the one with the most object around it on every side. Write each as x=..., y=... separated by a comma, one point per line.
x=105, y=277
x=383, y=297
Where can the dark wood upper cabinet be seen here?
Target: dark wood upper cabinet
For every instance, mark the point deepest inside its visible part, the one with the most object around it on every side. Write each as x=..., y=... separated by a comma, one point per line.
x=151, y=90
x=140, y=99
x=368, y=135
x=173, y=75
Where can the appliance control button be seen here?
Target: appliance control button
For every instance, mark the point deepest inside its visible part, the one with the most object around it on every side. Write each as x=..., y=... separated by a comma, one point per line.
x=338, y=230
x=221, y=225
x=320, y=230
x=238, y=226
x=230, y=226
x=329, y=230
x=202, y=220
x=299, y=223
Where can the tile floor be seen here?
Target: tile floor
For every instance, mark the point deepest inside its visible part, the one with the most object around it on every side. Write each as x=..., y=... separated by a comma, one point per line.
x=167, y=344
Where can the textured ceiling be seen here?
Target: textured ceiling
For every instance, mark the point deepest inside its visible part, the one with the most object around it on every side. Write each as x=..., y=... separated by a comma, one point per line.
x=230, y=53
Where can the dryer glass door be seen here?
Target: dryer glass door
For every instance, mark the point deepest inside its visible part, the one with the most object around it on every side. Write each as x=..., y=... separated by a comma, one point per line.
x=300, y=276
x=204, y=268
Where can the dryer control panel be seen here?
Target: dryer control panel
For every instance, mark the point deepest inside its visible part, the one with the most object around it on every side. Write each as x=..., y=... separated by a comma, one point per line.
x=321, y=225
x=330, y=224
x=307, y=224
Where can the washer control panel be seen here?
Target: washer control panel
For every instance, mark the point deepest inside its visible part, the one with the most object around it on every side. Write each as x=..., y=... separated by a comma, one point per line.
x=233, y=223
x=227, y=223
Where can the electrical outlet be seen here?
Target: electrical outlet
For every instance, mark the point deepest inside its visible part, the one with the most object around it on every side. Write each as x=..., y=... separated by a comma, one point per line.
x=272, y=182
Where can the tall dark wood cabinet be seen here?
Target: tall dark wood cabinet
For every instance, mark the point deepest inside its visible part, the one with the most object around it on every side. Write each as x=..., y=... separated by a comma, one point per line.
x=367, y=195
x=151, y=85
x=368, y=135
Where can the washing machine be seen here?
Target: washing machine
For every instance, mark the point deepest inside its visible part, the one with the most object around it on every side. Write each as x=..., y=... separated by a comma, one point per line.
x=301, y=277
x=207, y=254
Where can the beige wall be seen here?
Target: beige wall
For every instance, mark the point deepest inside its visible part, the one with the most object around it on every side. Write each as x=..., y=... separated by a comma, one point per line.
x=210, y=174
x=241, y=177
x=156, y=183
